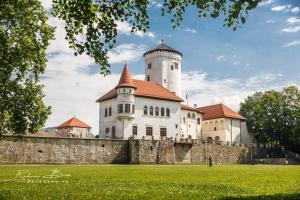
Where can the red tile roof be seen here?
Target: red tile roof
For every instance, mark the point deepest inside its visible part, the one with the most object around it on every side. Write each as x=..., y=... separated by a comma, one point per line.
x=219, y=111
x=145, y=89
x=185, y=107
x=125, y=79
x=73, y=122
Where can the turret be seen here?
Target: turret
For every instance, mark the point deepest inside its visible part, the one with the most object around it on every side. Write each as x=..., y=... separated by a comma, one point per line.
x=125, y=100
x=163, y=66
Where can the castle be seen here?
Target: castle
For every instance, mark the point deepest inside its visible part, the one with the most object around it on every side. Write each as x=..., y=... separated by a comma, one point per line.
x=153, y=108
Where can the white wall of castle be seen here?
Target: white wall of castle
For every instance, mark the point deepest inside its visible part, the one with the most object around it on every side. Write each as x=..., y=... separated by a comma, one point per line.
x=123, y=126
x=189, y=125
x=165, y=69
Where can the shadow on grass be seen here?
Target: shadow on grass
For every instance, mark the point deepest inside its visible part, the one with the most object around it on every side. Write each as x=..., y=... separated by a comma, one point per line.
x=294, y=196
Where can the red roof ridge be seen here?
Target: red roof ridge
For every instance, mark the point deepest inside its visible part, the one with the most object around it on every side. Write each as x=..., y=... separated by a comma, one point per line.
x=125, y=79
x=74, y=122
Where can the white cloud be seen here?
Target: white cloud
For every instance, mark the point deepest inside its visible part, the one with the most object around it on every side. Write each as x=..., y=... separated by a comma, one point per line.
x=270, y=21
x=220, y=58
x=47, y=4
x=236, y=62
x=291, y=44
x=291, y=29
x=125, y=28
x=126, y=53
x=280, y=8
x=293, y=20
x=295, y=10
x=265, y=3
x=203, y=91
x=190, y=30
x=156, y=4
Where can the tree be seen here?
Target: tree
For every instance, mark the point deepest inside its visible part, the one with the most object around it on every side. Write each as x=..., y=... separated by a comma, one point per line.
x=91, y=25
x=24, y=37
x=273, y=118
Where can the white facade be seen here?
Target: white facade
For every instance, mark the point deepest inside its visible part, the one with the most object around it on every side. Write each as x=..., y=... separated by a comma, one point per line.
x=164, y=68
x=124, y=125
x=191, y=124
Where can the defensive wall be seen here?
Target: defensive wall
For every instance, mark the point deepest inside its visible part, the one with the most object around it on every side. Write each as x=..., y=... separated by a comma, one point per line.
x=30, y=149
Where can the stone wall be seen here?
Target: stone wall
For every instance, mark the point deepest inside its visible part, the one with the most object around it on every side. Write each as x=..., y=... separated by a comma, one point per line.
x=62, y=150
x=169, y=152
x=72, y=150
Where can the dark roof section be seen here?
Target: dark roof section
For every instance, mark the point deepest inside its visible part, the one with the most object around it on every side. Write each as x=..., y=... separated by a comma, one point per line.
x=163, y=47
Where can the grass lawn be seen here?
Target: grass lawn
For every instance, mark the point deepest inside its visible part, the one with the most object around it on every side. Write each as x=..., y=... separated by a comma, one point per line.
x=149, y=182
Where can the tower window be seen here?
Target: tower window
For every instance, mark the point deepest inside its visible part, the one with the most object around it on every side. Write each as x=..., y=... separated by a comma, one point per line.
x=168, y=112
x=109, y=111
x=157, y=111
x=163, y=131
x=198, y=120
x=120, y=108
x=134, y=130
x=105, y=112
x=193, y=115
x=176, y=65
x=149, y=130
x=145, y=110
x=151, y=110
x=189, y=115
x=172, y=67
x=165, y=80
x=127, y=108
x=149, y=66
x=162, y=112
x=148, y=78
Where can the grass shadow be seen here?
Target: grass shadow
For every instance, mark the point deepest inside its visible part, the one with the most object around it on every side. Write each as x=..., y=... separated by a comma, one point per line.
x=294, y=196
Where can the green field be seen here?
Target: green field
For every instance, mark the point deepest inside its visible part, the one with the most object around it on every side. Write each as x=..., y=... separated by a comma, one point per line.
x=149, y=182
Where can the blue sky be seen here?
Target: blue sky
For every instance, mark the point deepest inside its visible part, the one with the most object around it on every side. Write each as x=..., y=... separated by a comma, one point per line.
x=219, y=65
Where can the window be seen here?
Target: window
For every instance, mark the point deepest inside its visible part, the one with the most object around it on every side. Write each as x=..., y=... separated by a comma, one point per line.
x=149, y=66
x=130, y=91
x=109, y=111
x=105, y=112
x=165, y=80
x=151, y=110
x=123, y=90
x=193, y=115
x=133, y=108
x=172, y=67
x=184, y=120
x=215, y=128
x=149, y=130
x=189, y=115
x=148, y=78
x=127, y=108
x=157, y=111
x=176, y=65
x=168, y=112
x=106, y=131
x=198, y=120
x=162, y=112
x=120, y=108
x=145, y=110
x=176, y=126
x=134, y=130
x=163, y=131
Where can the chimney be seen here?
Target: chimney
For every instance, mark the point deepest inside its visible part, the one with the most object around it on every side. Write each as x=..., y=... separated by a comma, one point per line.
x=195, y=105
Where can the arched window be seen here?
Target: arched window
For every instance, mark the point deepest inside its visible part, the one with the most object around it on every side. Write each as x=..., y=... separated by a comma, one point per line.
x=156, y=111
x=145, y=110
x=216, y=126
x=151, y=110
x=189, y=115
x=168, y=112
x=109, y=111
x=193, y=115
x=172, y=67
x=209, y=139
x=162, y=112
x=217, y=140
x=105, y=112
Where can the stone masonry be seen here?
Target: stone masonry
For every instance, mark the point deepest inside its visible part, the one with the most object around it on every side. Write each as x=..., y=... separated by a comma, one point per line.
x=72, y=150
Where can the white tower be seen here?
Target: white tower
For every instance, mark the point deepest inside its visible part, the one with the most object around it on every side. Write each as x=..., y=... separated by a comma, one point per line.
x=163, y=66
